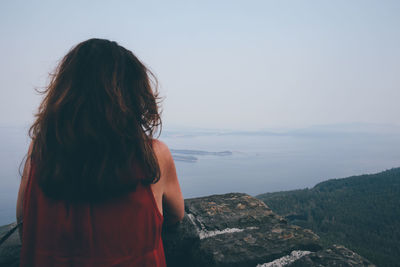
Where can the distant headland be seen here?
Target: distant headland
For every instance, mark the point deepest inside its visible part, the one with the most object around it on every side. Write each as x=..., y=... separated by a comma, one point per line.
x=187, y=155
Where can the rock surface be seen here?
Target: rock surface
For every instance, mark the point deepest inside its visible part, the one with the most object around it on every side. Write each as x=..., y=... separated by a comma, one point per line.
x=333, y=256
x=9, y=250
x=231, y=230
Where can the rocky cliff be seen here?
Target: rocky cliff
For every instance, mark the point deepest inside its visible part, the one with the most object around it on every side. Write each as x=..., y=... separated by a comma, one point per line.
x=230, y=230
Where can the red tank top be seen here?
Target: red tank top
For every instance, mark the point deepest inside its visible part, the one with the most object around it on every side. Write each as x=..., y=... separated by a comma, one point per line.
x=125, y=231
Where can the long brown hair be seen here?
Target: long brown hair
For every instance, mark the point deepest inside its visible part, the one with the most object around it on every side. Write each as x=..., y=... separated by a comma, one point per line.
x=93, y=133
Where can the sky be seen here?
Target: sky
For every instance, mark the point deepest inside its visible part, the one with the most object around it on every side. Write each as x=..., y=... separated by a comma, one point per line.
x=221, y=64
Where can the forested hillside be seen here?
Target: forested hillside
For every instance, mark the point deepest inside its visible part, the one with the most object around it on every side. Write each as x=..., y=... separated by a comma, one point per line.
x=360, y=212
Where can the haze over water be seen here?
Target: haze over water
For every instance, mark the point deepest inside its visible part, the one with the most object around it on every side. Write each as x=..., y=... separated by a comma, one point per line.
x=262, y=161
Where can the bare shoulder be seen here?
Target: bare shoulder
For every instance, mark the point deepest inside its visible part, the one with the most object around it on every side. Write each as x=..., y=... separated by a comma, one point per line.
x=162, y=152
x=160, y=147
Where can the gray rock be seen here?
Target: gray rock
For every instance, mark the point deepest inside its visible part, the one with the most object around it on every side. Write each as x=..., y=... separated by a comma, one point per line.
x=10, y=249
x=335, y=256
x=238, y=230
x=230, y=230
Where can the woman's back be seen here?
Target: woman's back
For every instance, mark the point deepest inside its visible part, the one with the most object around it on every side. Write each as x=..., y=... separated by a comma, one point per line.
x=124, y=231
x=93, y=147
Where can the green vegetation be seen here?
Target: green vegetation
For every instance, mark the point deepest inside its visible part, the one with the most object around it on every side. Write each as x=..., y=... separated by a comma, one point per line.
x=359, y=212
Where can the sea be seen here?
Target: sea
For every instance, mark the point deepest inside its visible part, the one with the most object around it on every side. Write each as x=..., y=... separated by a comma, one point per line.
x=221, y=161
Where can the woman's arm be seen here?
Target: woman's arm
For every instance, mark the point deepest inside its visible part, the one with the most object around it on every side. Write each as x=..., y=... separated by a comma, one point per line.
x=22, y=187
x=172, y=199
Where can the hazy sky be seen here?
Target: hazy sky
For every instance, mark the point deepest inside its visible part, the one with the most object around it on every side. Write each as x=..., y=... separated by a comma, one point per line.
x=221, y=64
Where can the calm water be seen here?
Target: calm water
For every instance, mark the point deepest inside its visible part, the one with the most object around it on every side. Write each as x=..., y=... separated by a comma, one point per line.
x=258, y=164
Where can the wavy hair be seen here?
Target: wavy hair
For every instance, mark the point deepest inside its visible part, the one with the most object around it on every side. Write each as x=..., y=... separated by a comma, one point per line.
x=92, y=138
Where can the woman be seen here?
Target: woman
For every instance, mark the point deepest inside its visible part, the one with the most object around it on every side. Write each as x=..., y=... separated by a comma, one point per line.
x=96, y=185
